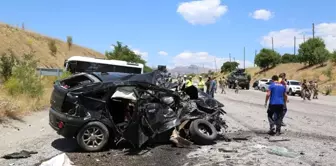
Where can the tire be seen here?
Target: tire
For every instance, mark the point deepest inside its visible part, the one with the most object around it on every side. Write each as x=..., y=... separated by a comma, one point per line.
x=202, y=132
x=90, y=127
x=247, y=87
x=291, y=92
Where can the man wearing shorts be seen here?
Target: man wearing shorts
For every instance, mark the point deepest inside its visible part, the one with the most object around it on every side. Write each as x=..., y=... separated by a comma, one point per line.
x=276, y=95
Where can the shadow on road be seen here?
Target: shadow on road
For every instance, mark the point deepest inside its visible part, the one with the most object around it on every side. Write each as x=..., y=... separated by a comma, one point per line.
x=66, y=145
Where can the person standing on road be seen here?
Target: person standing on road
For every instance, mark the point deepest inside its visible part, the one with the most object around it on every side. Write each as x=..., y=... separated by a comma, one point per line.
x=282, y=80
x=315, y=90
x=207, y=84
x=236, y=86
x=222, y=86
x=305, y=90
x=201, y=84
x=212, y=87
x=277, y=96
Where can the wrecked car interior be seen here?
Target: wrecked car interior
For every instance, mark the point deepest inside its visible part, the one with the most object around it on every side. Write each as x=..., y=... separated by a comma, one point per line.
x=109, y=108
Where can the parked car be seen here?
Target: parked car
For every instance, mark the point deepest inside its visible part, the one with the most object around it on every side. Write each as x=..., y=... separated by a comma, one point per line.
x=264, y=86
x=255, y=85
x=293, y=87
x=98, y=109
x=261, y=82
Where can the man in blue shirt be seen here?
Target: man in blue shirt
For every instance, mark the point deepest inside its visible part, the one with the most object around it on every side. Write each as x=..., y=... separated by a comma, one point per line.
x=276, y=94
x=212, y=87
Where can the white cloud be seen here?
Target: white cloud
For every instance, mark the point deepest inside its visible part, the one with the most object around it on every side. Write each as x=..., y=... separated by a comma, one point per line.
x=144, y=55
x=262, y=14
x=188, y=58
x=163, y=53
x=285, y=38
x=202, y=11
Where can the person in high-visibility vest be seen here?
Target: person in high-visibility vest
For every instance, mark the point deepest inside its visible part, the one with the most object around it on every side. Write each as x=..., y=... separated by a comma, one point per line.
x=201, y=84
x=188, y=82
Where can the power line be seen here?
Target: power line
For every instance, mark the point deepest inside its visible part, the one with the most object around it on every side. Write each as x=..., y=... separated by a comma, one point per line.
x=244, y=57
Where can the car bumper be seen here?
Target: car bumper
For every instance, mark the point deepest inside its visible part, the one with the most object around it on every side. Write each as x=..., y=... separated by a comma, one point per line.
x=71, y=125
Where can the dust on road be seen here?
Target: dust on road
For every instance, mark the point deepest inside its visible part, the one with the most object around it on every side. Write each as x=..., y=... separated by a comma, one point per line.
x=311, y=128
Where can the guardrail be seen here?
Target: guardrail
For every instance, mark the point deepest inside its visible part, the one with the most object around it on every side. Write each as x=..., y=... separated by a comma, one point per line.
x=49, y=72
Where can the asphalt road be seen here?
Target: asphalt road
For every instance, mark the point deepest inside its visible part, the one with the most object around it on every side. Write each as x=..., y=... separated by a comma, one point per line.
x=311, y=130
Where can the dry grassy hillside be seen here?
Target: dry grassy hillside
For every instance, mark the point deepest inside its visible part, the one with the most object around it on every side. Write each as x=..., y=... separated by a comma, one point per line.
x=297, y=71
x=23, y=41
x=20, y=42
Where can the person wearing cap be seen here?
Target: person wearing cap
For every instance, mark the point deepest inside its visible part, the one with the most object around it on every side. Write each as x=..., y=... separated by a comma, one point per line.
x=201, y=84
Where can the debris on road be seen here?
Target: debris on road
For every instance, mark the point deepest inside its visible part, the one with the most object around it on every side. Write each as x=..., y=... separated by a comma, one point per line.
x=281, y=151
x=18, y=155
x=278, y=139
x=59, y=160
x=227, y=149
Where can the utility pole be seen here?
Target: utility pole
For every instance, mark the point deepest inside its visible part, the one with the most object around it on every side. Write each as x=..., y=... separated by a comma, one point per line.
x=294, y=45
x=244, y=57
x=255, y=54
x=313, y=31
x=215, y=64
x=272, y=44
x=230, y=56
x=304, y=38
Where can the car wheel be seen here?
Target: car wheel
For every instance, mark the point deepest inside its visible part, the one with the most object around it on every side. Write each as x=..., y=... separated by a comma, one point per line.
x=202, y=132
x=93, y=136
x=291, y=92
x=247, y=87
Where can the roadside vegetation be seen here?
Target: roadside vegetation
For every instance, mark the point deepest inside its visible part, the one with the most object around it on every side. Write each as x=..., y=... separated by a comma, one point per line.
x=313, y=63
x=22, y=90
x=124, y=53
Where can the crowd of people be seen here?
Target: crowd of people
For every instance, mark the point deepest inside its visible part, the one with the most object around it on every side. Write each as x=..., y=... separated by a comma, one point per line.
x=309, y=89
x=276, y=96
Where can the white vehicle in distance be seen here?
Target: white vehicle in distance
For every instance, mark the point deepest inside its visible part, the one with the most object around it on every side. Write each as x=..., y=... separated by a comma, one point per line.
x=293, y=87
x=264, y=86
x=77, y=64
x=261, y=83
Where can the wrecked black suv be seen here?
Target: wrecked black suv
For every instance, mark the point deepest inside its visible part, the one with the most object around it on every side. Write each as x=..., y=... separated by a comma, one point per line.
x=98, y=109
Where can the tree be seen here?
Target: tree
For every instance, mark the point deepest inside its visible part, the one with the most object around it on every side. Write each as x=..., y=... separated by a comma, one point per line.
x=267, y=58
x=7, y=64
x=306, y=51
x=124, y=53
x=333, y=57
x=289, y=58
x=69, y=42
x=52, y=47
x=322, y=55
x=229, y=66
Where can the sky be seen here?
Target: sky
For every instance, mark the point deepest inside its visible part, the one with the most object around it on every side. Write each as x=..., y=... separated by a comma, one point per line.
x=180, y=33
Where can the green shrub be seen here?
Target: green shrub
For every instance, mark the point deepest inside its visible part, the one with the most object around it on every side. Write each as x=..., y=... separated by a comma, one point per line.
x=6, y=64
x=64, y=75
x=24, y=79
x=52, y=47
x=328, y=72
x=69, y=42
x=328, y=90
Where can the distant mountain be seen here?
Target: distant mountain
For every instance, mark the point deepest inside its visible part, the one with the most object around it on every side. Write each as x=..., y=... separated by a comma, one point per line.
x=188, y=70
